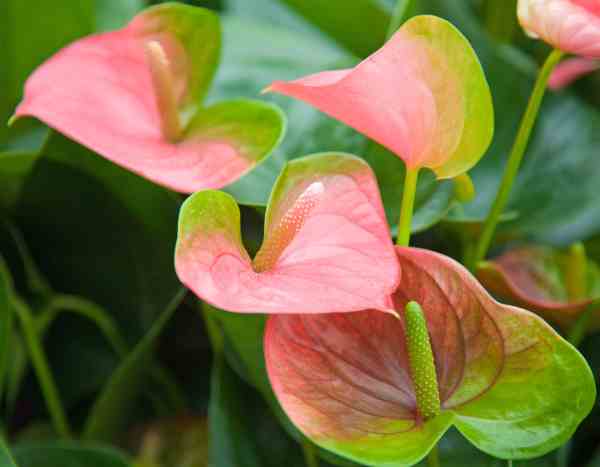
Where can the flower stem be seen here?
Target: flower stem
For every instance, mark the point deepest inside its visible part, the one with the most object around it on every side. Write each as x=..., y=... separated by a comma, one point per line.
x=515, y=158
x=42, y=370
x=408, y=205
x=433, y=459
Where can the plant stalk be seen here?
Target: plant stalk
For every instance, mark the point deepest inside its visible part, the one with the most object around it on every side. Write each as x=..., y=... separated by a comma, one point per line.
x=407, y=207
x=42, y=370
x=515, y=158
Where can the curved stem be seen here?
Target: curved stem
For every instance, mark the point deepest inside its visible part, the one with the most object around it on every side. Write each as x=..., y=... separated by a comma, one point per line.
x=42, y=370
x=515, y=158
x=509, y=463
x=408, y=204
x=433, y=459
x=107, y=326
x=119, y=393
x=88, y=310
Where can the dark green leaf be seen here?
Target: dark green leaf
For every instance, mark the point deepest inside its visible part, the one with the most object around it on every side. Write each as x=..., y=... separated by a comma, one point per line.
x=108, y=415
x=63, y=454
x=241, y=432
x=101, y=232
x=6, y=459
x=359, y=25
x=6, y=320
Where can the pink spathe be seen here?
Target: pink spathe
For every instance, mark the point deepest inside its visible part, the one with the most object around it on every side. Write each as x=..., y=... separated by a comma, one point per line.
x=109, y=93
x=572, y=26
x=391, y=98
x=327, y=248
x=571, y=70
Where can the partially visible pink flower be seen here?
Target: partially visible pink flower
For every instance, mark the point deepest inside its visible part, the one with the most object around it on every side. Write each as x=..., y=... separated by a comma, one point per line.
x=571, y=70
x=135, y=97
x=572, y=26
x=423, y=96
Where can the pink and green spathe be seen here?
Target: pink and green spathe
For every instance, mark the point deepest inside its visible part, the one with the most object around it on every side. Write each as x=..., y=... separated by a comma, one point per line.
x=135, y=96
x=504, y=378
x=423, y=96
x=326, y=244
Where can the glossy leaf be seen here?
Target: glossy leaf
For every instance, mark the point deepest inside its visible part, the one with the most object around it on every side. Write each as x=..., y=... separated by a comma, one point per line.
x=442, y=116
x=68, y=455
x=570, y=25
x=360, y=26
x=135, y=99
x=507, y=381
x=326, y=247
x=535, y=277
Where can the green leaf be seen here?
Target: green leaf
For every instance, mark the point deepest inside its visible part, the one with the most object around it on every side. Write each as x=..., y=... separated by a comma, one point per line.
x=360, y=25
x=65, y=454
x=240, y=433
x=114, y=14
x=108, y=414
x=6, y=459
x=6, y=323
x=14, y=169
x=83, y=218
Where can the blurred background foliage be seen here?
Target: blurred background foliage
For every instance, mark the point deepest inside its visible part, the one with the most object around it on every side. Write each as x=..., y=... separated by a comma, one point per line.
x=87, y=247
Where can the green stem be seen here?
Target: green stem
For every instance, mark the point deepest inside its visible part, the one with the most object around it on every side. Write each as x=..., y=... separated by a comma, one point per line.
x=310, y=453
x=408, y=204
x=107, y=326
x=399, y=15
x=109, y=410
x=510, y=463
x=515, y=158
x=433, y=459
x=42, y=369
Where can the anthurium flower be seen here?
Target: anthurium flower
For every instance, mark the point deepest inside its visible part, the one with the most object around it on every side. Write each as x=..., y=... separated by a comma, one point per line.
x=541, y=279
x=134, y=96
x=569, y=25
x=326, y=244
x=509, y=383
x=423, y=96
x=571, y=70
